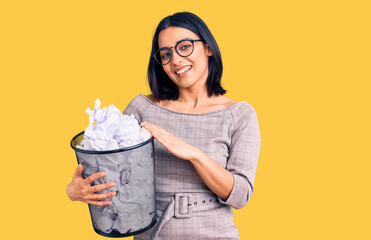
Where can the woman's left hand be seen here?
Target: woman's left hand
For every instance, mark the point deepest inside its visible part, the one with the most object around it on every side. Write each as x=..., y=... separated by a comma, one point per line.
x=173, y=144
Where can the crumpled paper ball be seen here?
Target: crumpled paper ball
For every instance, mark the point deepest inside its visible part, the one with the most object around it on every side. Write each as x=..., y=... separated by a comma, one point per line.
x=112, y=130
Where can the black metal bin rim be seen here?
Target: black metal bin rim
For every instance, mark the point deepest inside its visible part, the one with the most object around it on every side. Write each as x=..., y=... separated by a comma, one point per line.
x=108, y=151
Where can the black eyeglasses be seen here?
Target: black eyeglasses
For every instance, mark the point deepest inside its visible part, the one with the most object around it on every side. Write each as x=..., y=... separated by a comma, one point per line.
x=184, y=48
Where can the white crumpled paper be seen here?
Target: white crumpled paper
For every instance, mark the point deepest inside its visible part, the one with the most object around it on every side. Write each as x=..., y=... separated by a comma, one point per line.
x=112, y=130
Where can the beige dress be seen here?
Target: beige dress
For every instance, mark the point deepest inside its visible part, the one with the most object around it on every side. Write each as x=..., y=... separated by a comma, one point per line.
x=186, y=207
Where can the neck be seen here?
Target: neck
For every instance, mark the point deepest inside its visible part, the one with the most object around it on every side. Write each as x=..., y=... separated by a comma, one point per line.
x=194, y=98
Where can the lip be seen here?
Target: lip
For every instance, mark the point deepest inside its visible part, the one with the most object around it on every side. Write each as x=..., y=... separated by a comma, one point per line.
x=176, y=70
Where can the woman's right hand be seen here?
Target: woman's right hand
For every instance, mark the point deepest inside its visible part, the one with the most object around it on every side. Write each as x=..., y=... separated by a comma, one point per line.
x=80, y=189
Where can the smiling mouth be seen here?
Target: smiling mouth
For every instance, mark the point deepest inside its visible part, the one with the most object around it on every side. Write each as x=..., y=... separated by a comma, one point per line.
x=183, y=70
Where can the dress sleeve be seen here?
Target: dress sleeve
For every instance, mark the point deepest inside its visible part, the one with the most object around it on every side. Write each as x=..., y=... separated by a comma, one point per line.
x=243, y=159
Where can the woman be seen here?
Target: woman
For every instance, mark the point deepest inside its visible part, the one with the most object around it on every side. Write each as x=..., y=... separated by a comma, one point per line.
x=207, y=146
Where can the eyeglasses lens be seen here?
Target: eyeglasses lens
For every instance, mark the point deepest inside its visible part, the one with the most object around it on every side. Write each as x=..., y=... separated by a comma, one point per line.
x=185, y=48
x=163, y=56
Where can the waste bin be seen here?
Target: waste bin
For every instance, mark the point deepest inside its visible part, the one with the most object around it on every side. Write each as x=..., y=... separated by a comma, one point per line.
x=133, y=209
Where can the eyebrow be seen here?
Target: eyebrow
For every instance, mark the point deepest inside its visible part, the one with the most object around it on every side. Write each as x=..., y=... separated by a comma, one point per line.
x=187, y=38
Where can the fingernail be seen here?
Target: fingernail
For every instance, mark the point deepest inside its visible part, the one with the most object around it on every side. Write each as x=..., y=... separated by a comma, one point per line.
x=112, y=184
x=103, y=174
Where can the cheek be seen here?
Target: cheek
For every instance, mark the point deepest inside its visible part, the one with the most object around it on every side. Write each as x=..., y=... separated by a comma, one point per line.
x=166, y=70
x=169, y=73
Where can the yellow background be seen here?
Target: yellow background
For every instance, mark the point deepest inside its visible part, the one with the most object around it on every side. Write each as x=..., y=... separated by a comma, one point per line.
x=303, y=65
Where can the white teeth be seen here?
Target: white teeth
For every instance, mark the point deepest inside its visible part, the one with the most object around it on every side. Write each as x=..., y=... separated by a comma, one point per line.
x=183, y=70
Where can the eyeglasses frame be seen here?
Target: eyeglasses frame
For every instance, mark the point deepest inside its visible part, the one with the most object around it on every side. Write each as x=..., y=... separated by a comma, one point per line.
x=176, y=49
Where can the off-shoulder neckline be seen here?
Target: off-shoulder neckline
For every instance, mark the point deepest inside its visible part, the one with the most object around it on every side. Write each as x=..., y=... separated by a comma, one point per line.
x=195, y=114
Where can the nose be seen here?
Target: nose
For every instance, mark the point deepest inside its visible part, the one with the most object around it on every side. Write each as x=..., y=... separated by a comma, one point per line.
x=176, y=58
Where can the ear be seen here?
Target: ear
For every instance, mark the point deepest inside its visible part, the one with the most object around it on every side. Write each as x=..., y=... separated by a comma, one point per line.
x=208, y=49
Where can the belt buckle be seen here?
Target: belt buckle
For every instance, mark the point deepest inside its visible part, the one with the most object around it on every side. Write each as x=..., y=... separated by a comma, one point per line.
x=177, y=214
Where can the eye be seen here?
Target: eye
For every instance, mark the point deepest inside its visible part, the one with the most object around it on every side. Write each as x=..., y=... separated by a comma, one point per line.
x=184, y=47
x=165, y=56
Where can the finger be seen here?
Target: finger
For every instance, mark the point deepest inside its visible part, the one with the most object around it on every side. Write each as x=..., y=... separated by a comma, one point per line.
x=158, y=137
x=162, y=132
x=99, y=203
x=162, y=137
x=150, y=130
x=153, y=126
x=78, y=171
x=162, y=140
x=146, y=126
x=149, y=125
x=94, y=177
x=158, y=130
x=101, y=187
x=100, y=196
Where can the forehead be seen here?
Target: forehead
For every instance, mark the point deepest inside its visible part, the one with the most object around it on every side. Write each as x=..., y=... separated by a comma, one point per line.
x=171, y=35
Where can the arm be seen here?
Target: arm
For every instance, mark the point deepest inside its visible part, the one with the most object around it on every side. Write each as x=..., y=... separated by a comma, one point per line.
x=218, y=179
x=243, y=159
x=234, y=184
